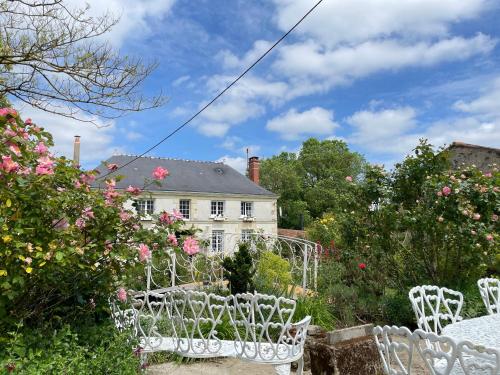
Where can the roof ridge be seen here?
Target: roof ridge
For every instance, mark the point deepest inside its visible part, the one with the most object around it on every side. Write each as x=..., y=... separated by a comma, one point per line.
x=166, y=158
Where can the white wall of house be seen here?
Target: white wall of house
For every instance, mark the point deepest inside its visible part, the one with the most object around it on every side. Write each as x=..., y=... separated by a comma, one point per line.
x=264, y=213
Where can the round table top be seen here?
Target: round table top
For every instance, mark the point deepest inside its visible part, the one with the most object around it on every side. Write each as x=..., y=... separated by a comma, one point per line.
x=482, y=331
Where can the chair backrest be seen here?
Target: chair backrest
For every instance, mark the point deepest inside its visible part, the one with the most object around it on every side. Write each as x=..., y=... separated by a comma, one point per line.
x=395, y=347
x=478, y=360
x=434, y=306
x=264, y=328
x=489, y=288
x=439, y=353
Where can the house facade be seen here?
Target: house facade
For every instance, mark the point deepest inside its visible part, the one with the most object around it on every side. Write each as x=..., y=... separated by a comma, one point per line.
x=213, y=197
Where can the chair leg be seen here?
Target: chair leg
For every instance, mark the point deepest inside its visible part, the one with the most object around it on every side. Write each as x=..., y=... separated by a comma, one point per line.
x=283, y=369
x=300, y=366
x=144, y=362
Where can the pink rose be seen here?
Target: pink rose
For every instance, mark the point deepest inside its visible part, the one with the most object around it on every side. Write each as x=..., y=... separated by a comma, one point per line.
x=111, y=183
x=133, y=190
x=15, y=149
x=40, y=148
x=488, y=174
x=489, y=237
x=348, y=178
x=446, y=191
x=144, y=252
x=28, y=121
x=476, y=216
x=439, y=194
x=177, y=215
x=160, y=173
x=122, y=294
x=190, y=246
x=165, y=218
x=124, y=215
x=172, y=239
x=80, y=223
x=8, y=165
x=9, y=133
x=87, y=212
x=42, y=170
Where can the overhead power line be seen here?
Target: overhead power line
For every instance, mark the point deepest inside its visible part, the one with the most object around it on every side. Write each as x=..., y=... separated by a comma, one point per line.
x=219, y=94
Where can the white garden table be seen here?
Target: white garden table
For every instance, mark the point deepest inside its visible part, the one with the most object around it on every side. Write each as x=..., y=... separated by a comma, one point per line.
x=481, y=331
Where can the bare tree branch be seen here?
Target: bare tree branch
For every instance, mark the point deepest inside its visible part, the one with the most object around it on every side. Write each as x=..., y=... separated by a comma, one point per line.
x=52, y=58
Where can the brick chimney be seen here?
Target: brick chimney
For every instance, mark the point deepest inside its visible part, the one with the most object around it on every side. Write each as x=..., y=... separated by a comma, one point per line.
x=254, y=169
x=76, y=151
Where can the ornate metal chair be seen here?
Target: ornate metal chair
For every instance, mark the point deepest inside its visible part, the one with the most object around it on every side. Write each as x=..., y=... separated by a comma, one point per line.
x=434, y=306
x=395, y=347
x=489, y=288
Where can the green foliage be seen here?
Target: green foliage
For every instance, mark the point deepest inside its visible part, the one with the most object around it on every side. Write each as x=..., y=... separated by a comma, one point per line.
x=272, y=273
x=312, y=181
x=239, y=270
x=99, y=350
x=317, y=308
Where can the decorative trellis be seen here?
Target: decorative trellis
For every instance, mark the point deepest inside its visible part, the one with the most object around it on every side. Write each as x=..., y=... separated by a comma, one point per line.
x=205, y=267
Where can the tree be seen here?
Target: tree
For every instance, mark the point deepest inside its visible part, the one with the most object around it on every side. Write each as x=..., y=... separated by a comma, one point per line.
x=312, y=181
x=53, y=57
x=239, y=270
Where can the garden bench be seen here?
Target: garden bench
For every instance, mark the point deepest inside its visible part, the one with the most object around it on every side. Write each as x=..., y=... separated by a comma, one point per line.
x=250, y=326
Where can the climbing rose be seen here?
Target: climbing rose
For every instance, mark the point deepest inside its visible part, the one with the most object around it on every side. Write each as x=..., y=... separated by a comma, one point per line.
x=144, y=252
x=124, y=215
x=165, y=218
x=446, y=191
x=133, y=190
x=28, y=121
x=8, y=165
x=362, y=266
x=172, y=239
x=80, y=223
x=40, y=148
x=488, y=174
x=190, y=246
x=348, y=178
x=489, y=237
x=122, y=294
x=177, y=215
x=87, y=212
x=160, y=173
x=476, y=216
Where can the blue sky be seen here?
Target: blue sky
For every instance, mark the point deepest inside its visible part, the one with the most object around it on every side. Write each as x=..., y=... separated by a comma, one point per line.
x=378, y=74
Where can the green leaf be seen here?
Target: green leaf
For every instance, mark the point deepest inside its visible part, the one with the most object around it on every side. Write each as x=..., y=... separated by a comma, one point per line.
x=59, y=255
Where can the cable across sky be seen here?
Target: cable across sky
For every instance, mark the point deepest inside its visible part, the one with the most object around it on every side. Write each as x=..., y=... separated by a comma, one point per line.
x=177, y=129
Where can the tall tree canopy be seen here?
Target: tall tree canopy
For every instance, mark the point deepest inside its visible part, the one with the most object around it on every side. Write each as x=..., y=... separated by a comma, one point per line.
x=53, y=57
x=311, y=182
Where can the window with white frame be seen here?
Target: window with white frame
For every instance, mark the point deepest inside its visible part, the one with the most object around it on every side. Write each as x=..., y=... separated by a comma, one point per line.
x=246, y=235
x=218, y=240
x=217, y=208
x=185, y=208
x=247, y=209
x=145, y=206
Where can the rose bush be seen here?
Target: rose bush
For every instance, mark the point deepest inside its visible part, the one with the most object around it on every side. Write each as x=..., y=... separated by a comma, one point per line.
x=64, y=246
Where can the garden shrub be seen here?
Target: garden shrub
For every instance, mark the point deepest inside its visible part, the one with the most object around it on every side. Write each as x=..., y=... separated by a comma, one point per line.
x=239, y=270
x=272, y=274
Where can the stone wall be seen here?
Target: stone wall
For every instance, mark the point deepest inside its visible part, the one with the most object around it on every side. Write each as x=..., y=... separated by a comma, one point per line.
x=482, y=157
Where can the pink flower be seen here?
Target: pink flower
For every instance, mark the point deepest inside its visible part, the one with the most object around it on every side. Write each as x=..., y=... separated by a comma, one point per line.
x=446, y=191
x=439, y=194
x=42, y=170
x=15, y=149
x=489, y=237
x=24, y=171
x=9, y=133
x=159, y=173
x=488, y=174
x=28, y=260
x=190, y=246
x=144, y=253
x=28, y=121
x=40, y=148
x=177, y=215
x=112, y=166
x=476, y=216
x=348, y=178
x=45, y=165
x=8, y=164
x=124, y=215
x=122, y=294
x=80, y=223
x=133, y=190
x=87, y=178
x=60, y=224
x=88, y=213
x=165, y=218
x=172, y=239
x=111, y=183
x=136, y=226
x=7, y=111
x=362, y=266
x=77, y=184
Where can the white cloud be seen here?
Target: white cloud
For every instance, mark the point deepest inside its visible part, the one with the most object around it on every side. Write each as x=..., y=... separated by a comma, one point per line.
x=383, y=130
x=230, y=143
x=133, y=136
x=213, y=129
x=182, y=79
x=487, y=105
x=97, y=143
x=135, y=16
x=311, y=60
x=292, y=124
x=354, y=21
x=239, y=163
x=230, y=60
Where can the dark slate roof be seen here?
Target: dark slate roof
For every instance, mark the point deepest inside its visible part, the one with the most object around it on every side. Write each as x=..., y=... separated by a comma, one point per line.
x=184, y=176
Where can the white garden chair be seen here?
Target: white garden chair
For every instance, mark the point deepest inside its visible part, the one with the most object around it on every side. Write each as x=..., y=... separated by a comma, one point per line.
x=434, y=306
x=395, y=347
x=489, y=288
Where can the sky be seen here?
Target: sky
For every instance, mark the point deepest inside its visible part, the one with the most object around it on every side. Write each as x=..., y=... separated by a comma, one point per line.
x=377, y=74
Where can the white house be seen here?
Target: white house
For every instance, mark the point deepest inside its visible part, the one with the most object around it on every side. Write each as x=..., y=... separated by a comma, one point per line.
x=211, y=196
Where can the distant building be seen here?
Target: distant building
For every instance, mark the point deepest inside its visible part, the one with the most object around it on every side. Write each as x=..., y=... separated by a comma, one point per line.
x=223, y=203
x=468, y=154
